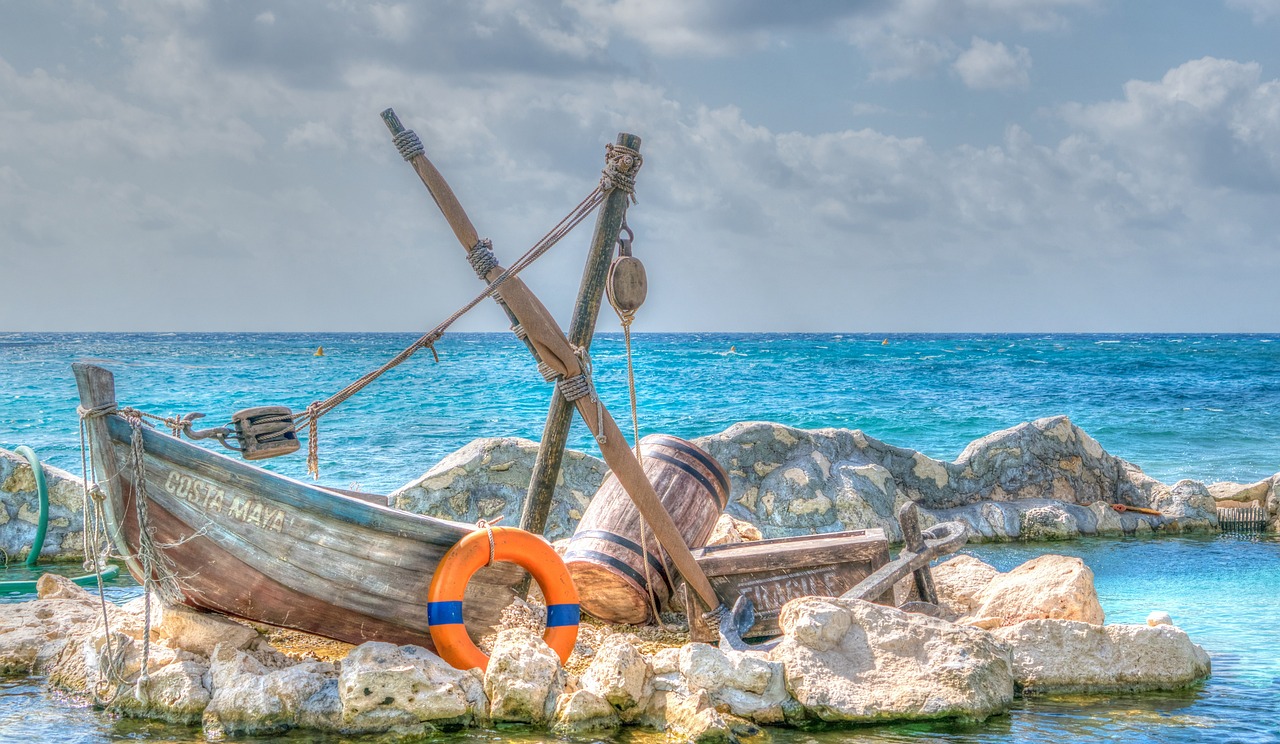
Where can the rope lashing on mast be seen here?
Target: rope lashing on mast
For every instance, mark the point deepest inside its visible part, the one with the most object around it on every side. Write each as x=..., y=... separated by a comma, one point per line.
x=621, y=164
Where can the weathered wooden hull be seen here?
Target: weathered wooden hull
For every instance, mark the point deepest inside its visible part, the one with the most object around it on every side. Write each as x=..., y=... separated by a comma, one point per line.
x=256, y=545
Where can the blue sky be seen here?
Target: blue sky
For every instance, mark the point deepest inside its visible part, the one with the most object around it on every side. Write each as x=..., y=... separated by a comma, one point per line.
x=927, y=165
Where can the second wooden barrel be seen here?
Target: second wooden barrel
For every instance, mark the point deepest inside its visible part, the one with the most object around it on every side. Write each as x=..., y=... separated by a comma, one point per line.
x=607, y=556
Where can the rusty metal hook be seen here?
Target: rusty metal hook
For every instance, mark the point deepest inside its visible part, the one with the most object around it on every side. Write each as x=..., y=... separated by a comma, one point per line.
x=219, y=433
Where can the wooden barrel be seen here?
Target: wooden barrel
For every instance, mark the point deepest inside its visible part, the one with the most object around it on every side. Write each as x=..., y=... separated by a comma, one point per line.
x=605, y=556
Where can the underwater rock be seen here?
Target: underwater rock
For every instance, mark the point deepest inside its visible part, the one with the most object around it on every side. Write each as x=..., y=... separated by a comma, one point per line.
x=489, y=478
x=889, y=665
x=1069, y=656
x=524, y=679
x=960, y=582
x=1050, y=586
x=386, y=687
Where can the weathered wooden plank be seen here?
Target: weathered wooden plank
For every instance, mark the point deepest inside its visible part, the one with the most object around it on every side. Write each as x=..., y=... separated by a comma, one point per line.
x=777, y=555
x=773, y=572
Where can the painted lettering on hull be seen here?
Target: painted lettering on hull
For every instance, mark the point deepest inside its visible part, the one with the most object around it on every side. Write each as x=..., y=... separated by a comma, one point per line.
x=214, y=500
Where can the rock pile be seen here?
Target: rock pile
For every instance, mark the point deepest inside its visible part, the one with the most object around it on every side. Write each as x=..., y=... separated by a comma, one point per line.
x=1043, y=480
x=1036, y=629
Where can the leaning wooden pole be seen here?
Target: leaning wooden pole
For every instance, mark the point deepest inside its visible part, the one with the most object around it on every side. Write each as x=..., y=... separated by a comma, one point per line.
x=555, y=434
x=554, y=350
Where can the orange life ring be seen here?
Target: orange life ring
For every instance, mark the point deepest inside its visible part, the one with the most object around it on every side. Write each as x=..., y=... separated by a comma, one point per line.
x=473, y=552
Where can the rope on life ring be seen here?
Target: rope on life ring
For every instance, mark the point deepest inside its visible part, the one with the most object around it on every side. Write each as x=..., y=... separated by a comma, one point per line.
x=477, y=550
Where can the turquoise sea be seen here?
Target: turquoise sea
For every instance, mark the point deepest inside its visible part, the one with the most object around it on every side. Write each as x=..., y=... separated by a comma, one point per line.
x=1203, y=407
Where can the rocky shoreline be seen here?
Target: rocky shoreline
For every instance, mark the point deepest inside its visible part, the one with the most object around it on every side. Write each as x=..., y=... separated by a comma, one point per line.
x=1037, y=629
x=1034, y=630
x=1042, y=480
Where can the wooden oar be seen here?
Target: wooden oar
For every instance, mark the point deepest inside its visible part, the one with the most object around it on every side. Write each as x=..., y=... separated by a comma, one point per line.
x=555, y=350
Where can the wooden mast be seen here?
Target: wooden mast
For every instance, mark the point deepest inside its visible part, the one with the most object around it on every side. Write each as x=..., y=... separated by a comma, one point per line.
x=555, y=434
x=554, y=350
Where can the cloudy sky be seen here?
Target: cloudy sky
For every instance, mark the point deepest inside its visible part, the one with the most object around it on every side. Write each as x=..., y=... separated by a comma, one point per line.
x=811, y=165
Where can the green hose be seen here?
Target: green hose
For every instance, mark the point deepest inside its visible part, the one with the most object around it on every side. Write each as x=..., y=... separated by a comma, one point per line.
x=28, y=586
x=42, y=489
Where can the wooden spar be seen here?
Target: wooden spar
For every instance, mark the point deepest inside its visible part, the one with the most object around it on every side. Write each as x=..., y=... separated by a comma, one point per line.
x=913, y=541
x=555, y=434
x=555, y=351
x=97, y=388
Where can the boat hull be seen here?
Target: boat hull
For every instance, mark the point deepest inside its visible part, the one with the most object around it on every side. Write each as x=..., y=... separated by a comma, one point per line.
x=240, y=540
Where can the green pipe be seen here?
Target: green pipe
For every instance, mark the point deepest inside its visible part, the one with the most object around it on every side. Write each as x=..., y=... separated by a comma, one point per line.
x=42, y=489
x=28, y=586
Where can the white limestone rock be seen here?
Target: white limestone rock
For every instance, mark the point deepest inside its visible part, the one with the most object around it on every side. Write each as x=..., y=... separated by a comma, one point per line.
x=524, y=679
x=384, y=687
x=1051, y=656
x=744, y=684
x=583, y=711
x=1049, y=522
x=889, y=665
x=191, y=630
x=960, y=582
x=53, y=586
x=729, y=529
x=619, y=674
x=252, y=698
x=1159, y=618
x=1050, y=586
x=34, y=634
x=108, y=668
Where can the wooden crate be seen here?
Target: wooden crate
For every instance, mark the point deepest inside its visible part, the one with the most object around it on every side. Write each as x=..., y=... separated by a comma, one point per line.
x=774, y=572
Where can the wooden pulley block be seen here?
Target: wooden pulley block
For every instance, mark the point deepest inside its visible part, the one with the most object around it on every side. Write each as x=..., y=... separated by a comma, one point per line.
x=627, y=284
x=266, y=431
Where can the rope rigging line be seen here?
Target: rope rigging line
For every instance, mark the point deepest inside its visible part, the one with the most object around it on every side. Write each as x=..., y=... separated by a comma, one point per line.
x=481, y=257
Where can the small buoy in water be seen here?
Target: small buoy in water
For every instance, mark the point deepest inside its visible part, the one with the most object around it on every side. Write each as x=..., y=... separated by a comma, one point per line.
x=732, y=349
x=884, y=342
x=1159, y=618
x=319, y=351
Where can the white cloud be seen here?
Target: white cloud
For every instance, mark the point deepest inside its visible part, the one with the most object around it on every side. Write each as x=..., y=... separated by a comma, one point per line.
x=993, y=66
x=1210, y=121
x=1261, y=10
x=314, y=135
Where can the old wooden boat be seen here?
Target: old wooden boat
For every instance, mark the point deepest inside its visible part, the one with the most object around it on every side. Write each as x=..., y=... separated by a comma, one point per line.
x=233, y=538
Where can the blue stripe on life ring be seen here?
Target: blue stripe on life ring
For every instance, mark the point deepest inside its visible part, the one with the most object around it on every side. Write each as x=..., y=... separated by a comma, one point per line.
x=445, y=613
x=562, y=614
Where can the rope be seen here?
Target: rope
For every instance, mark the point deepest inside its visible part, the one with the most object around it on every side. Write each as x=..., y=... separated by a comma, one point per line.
x=408, y=144
x=714, y=617
x=428, y=340
x=488, y=527
x=620, y=166
x=482, y=258
x=91, y=507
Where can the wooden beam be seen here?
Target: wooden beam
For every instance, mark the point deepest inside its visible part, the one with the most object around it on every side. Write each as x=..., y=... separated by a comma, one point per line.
x=555, y=434
x=554, y=349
